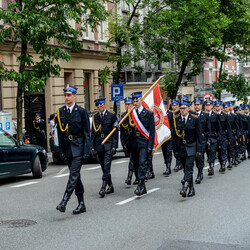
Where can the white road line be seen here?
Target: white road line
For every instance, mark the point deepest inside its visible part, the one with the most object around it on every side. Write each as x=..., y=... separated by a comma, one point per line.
x=136, y=197
x=207, y=167
x=25, y=184
x=118, y=162
x=157, y=153
x=61, y=175
x=92, y=168
x=62, y=170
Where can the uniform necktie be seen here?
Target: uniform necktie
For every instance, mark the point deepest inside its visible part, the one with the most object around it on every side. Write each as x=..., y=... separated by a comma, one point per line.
x=197, y=113
x=137, y=111
x=102, y=115
x=184, y=121
x=69, y=110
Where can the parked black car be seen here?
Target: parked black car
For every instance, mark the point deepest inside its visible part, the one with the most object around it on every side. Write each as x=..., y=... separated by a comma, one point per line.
x=17, y=158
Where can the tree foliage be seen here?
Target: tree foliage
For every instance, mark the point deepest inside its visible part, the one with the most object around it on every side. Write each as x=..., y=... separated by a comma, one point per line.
x=33, y=24
x=237, y=85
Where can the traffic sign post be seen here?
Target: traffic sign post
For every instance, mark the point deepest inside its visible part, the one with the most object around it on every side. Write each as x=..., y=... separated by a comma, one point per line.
x=117, y=92
x=208, y=97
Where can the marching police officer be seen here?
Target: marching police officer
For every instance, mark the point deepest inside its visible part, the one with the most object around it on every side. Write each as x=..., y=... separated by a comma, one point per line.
x=102, y=124
x=187, y=144
x=243, y=138
x=234, y=123
x=175, y=109
x=40, y=126
x=125, y=130
x=225, y=136
x=74, y=143
x=142, y=126
x=215, y=135
x=205, y=137
x=167, y=147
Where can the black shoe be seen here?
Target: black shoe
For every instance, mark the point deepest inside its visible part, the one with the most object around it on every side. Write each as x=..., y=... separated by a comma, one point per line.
x=182, y=181
x=180, y=166
x=183, y=192
x=199, y=178
x=102, y=191
x=176, y=168
x=151, y=175
x=191, y=191
x=223, y=166
x=81, y=206
x=110, y=189
x=62, y=206
x=136, y=182
x=129, y=178
x=168, y=170
x=211, y=169
x=141, y=188
x=230, y=160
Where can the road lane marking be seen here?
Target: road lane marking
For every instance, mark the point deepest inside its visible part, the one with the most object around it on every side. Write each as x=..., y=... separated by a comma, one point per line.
x=25, y=184
x=61, y=175
x=136, y=197
x=207, y=167
x=62, y=170
x=118, y=162
x=92, y=168
x=157, y=153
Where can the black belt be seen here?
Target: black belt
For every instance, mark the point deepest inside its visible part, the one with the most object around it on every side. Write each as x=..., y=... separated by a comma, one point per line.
x=73, y=137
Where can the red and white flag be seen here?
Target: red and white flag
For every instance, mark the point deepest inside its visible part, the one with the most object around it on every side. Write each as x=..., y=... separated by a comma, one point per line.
x=154, y=102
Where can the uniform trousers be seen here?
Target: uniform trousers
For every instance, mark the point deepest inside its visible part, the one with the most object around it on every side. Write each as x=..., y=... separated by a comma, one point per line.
x=74, y=182
x=211, y=152
x=140, y=158
x=243, y=143
x=200, y=161
x=167, y=148
x=105, y=158
x=188, y=165
x=232, y=148
x=222, y=151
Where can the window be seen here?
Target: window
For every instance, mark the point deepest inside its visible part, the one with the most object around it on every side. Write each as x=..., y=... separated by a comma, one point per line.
x=85, y=26
x=211, y=73
x=101, y=31
x=6, y=140
x=200, y=78
x=246, y=64
x=86, y=83
x=233, y=72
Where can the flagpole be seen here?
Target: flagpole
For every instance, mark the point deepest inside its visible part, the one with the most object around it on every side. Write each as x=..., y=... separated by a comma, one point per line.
x=130, y=110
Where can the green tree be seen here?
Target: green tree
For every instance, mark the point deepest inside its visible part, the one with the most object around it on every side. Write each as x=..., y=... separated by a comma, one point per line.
x=237, y=85
x=31, y=24
x=185, y=31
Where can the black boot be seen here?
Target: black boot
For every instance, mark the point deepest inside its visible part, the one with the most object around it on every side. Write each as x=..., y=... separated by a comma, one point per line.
x=223, y=166
x=180, y=166
x=141, y=188
x=110, y=188
x=168, y=170
x=182, y=181
x=81, y=206
x=102, y=191
x=211, y=168
x=230, y=161
x=191, y=190
x=243, y=156
x=136, y=182
x=129, y=178
x=176, y=168
x=62, y=206
x=199, y=177
x=183, y=192
x=151, y=174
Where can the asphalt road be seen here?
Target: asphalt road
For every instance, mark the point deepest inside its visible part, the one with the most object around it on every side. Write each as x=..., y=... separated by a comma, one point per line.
x=217, y=217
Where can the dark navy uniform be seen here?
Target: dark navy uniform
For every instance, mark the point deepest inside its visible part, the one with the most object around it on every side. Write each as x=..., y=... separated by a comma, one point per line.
x=234, y=123
x=167, y=146
x=40, y=134
x=244, y=135
x=214, y=139
x=248, y=135
x=205, y=138
x=125, y=131
x=139, y=145
x=186, y=143
x=225, y=137
x=74, y=142
x=101, y=127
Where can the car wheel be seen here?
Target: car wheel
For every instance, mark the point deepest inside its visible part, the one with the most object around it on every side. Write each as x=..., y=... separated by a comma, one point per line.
x=57, y=159
x=37, y=169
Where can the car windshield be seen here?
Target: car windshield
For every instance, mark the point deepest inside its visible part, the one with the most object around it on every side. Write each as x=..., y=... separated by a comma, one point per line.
x=6, y=140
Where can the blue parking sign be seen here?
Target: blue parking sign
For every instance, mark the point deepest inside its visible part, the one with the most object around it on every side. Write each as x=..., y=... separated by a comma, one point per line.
x=7, y=125
x=117, y=92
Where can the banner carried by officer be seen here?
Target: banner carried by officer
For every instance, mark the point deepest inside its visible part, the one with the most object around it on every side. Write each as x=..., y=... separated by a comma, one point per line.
x=154, y=102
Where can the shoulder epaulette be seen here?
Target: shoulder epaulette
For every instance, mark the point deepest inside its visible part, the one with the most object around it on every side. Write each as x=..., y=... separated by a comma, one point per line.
x=171, y=111
x=234, y=114
x=177, y=115
x=194, y=115
x=95, y=113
